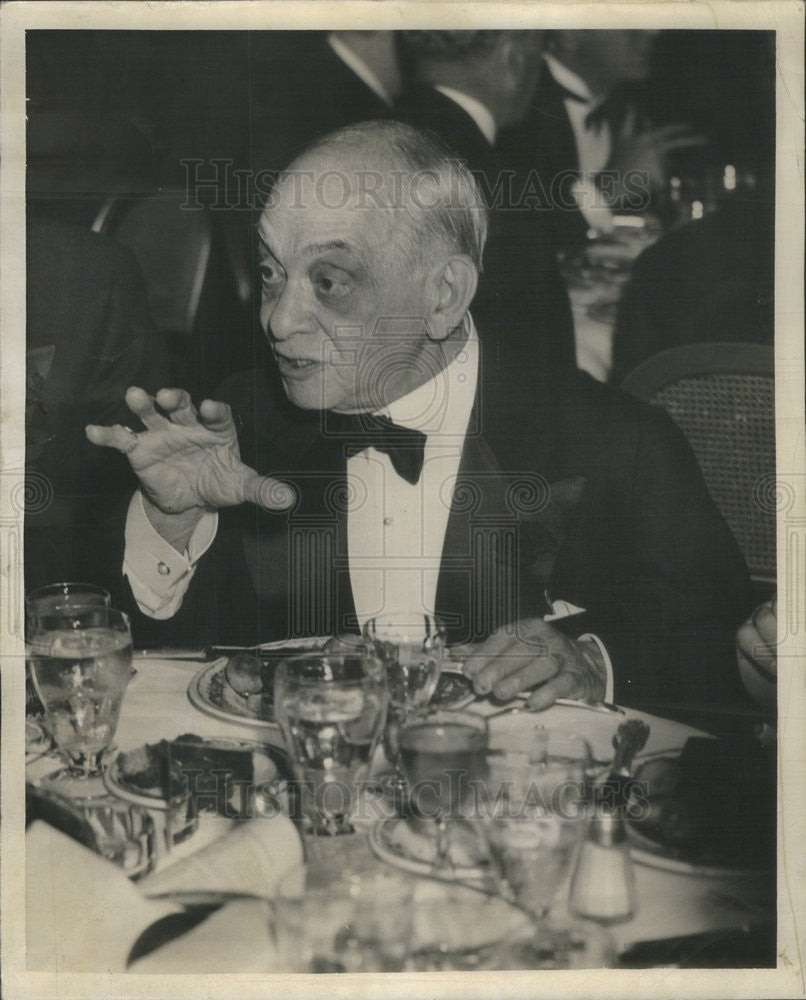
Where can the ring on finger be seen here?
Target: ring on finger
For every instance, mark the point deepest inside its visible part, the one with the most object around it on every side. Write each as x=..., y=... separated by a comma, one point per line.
x=135, y=437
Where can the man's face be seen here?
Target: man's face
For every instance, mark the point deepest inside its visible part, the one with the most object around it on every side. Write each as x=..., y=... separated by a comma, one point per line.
x=617, y=56
x=343, y=311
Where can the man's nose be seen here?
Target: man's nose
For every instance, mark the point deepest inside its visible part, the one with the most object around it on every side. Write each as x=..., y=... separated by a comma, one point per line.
x=288, y=314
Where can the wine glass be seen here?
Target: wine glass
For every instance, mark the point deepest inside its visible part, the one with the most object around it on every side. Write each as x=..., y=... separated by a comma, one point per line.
x=80, y=658
x=331, y=709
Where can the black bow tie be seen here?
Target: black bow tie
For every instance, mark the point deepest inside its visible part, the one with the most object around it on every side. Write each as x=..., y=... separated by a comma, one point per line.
x=359, y=431
x=601, y=113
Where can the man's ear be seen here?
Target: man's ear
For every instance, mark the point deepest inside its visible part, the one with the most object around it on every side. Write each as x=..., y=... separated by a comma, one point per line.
x=454, y=285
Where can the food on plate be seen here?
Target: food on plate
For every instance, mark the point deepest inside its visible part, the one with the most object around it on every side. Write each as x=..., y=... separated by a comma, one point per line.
x=714, y=804
x=163, y=768
x=451, y=688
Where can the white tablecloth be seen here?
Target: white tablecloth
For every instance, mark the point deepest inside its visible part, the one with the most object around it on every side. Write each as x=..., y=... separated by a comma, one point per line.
x=156, y=706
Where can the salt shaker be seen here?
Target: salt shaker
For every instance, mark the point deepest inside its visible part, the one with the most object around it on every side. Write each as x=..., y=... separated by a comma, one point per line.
x=603, y=885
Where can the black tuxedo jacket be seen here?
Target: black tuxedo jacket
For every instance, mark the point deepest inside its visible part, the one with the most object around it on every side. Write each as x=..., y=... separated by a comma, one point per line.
x=544, y=151
x=521, y=296
x=568, y=489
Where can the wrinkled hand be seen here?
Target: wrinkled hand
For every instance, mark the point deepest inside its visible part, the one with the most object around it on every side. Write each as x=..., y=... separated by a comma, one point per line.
x=535, y=653
x=188, y=459
x=646, y=153
x=757, y=656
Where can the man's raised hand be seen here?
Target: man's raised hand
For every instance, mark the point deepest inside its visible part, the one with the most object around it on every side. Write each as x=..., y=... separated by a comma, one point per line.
x=188, y=460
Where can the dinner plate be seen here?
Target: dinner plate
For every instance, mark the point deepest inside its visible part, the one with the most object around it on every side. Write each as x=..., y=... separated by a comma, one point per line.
x=652, y=852
x=272, y=765
x=394, y=842
x=209, y=691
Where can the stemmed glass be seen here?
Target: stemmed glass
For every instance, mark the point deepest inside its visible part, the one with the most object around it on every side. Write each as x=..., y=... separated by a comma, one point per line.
x=533, y=817
x=80, y=658
x=412, y=653
x=331, y=709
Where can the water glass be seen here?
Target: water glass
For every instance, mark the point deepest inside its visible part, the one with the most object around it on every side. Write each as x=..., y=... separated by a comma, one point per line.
x=60, y=597
x=81, y=662
x=533, y=819
x=330, y=919
x=331, y=709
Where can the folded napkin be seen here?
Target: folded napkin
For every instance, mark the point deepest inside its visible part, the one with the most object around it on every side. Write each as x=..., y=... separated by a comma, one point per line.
x=84, y=914
x=236, y=938
x=250, y=859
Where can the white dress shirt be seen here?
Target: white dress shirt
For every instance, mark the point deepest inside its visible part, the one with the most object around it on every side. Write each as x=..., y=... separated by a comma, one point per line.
x=594, y=144
x=359, y=67
x=480, y=114
x=395, y=530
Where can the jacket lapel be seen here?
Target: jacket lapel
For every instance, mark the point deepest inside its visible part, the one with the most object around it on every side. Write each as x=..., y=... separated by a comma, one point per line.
x=503, y=536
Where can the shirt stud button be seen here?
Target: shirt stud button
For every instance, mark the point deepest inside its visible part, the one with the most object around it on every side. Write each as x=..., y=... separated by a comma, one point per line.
x=163, y=569
x=387, y=521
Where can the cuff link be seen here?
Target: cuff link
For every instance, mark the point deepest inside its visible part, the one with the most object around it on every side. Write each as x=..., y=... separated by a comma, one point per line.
x=163, y=569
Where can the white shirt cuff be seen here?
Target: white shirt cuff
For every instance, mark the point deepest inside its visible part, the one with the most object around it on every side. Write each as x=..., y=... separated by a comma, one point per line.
x=608, y=695
x=592, y=204
x=159, y=575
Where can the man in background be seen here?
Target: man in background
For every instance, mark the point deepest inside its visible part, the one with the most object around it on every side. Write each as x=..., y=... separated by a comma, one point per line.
x=584, y=138
x=467, y=87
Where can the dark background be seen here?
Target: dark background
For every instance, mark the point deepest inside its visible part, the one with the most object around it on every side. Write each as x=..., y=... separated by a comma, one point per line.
x=196, y=90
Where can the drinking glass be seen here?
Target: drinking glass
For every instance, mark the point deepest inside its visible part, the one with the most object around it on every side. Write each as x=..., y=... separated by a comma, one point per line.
x=331, y=709
x=52, y=597
x=533, y=818
x=412, y=652
x=443, y=756
x=62, y=596
x=81, y=660
x=343, y=919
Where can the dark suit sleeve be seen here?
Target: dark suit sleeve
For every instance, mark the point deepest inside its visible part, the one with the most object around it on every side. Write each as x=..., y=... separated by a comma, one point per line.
x=677, y=592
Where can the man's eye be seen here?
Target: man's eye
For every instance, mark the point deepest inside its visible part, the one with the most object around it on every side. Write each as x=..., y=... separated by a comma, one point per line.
x=331, y=285
x=270, y=276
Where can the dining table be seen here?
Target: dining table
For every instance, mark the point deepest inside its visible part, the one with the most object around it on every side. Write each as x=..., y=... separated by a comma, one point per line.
x=672, y=898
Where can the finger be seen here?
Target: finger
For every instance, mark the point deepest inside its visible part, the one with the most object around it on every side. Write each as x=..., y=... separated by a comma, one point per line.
x=562, y=685
x=142, y=405
x=766, y=624
x=216, y=416
x=478, y=655
x=666, y=131
x=178, y=405
x=268, y=493
x=531, y=673
x=495, y=671
x=110, y=437
x=761, y=656
x=683, y=142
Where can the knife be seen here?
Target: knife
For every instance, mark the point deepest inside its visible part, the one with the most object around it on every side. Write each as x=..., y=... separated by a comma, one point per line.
x=748, y=946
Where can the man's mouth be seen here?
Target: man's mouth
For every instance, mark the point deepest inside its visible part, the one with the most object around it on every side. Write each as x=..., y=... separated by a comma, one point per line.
x=297, y=366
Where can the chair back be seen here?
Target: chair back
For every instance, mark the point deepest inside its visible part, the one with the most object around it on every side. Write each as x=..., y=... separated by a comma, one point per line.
x=722, y=396
x=172, y=246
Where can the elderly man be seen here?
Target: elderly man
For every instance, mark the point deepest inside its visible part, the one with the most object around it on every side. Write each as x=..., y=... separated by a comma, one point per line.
x=410, y=472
